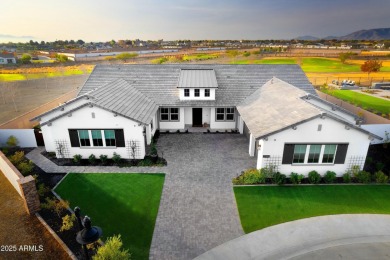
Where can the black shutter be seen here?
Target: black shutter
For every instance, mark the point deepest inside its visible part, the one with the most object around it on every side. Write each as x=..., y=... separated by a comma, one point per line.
x=74, y=138
x=288, y=154
x=341, y=153
x=120, y=138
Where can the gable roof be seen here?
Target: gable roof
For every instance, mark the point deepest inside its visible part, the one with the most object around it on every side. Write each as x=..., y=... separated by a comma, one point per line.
x=267, y=111
x=7, y=55
x=120, y=97
x=159, y=82
x=274, y=106
x=197, y=78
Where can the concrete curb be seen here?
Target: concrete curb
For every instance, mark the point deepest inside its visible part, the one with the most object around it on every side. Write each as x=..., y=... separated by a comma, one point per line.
x=56, y=237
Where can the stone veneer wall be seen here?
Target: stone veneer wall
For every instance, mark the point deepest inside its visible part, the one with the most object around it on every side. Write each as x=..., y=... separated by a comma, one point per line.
x=25, y=186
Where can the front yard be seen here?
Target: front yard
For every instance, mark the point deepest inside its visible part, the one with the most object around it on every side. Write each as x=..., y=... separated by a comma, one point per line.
x=125, y=204
x=264, y=206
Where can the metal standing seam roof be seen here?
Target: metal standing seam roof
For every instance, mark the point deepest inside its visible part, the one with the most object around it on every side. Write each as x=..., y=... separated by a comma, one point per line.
x=160, y=82
x=275, y=106
x=197, y=78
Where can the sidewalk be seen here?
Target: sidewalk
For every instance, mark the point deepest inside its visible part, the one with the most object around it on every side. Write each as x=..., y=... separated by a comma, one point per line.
x=306, y=236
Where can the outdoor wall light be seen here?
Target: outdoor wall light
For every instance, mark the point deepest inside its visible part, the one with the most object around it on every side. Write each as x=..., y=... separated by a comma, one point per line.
x=70, y=114
x=347, y=127
x=115, y=115
x=294, y=127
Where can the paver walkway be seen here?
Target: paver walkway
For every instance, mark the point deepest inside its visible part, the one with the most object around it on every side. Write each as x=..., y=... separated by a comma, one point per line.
x=325, y=237
x=197, y=209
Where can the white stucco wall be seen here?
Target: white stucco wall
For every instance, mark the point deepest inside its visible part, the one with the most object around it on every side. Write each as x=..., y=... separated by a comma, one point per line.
x=332, y=132
x=169, y=125
x=82, y=119
x=221, y=124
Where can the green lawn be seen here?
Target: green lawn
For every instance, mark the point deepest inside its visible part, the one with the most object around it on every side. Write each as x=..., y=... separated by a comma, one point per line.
x=362, y=100
x=125, y=204
x=310, y=64
x=263, y=206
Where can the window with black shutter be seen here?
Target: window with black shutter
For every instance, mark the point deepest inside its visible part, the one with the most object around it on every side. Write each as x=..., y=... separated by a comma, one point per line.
x=120, y=138
x=341, y=153
x=74, y=138
x=288, y=154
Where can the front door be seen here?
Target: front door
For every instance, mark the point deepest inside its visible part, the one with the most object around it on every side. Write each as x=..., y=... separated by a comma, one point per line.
x=197, y=117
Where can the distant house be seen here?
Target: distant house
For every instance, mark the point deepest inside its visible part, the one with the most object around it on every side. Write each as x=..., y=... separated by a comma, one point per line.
x=7, y=58
x=287, y=125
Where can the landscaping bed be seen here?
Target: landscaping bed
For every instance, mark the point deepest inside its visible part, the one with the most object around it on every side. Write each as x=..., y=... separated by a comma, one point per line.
x=264, y=206
x=125, y=204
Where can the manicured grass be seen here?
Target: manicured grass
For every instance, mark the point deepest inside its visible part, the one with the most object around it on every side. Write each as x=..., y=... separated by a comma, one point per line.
x=15, y=77
x=363, y=100
x=263, y=206
x=267, y=61
x=125, y=204
x=327, y=65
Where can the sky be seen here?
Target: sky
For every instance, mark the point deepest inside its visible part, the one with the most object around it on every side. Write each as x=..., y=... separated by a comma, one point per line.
x=103, y=20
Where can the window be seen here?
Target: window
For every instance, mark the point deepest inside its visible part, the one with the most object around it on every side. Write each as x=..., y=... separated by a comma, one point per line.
x=207, y=92
x=220, y=114
x=230, y=114
x=299, y=153
x=314, y=153
x=174, y=114
x=164, y=114
x=186, y=92
x=197, y=92
x=169, y=114
x=329, y=153
x=84, y=138
x=224, y=114
x=109, y=135
x=97, y=137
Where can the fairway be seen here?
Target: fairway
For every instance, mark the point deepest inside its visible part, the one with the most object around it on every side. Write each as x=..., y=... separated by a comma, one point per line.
x=125, y=204
x=362, y=100
x=264, y=206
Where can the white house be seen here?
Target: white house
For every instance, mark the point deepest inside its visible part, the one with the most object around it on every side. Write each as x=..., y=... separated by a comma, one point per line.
x=7, y=58
x=121, y=106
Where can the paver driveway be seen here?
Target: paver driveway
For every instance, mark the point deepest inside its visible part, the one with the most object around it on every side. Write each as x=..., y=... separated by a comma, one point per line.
x=198, y=210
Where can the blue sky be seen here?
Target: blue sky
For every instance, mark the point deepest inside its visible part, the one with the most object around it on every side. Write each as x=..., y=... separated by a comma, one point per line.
x=102, y=20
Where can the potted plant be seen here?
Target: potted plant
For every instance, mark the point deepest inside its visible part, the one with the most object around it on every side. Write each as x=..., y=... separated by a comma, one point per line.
x=153, y=152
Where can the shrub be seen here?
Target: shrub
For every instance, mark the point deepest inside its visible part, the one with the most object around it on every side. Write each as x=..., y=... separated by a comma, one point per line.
x=67, y=222
x=77, y=158
x=111, y=250
x=363, y=177
x=279, y=178
x=103, y=158
x=380, y=177
x=314, y=177
x=347, y=178
x=296, y=178
x=92, y=159
x=42, y=190
x=145, y=162
x=116, y=158
x=12, y=141
x=16, y=158
x=250, y=176
x=246, y=54
x=57, y=206
x=25, y=167
x=153, y=149
x=329, y=177
x=269, y=171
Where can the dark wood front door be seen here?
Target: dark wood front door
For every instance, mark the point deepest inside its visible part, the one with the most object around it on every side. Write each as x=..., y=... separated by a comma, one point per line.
x=197, y=117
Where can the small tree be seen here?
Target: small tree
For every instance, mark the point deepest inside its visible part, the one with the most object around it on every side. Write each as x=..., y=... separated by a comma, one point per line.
x=112, y=250
x=26, y=58
x=371, y=66
x=126, y=56
x=61, y=58
x=344, y=56
x=12, y=141
x=67, y=222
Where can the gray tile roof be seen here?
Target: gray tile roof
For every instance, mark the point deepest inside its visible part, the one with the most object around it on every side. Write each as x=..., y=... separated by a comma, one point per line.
x=199, y=78
x=121, y=97
x=159, y=82
x=275, y=106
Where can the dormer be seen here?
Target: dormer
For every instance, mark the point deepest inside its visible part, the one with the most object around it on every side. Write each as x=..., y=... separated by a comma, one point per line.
x=197, y=84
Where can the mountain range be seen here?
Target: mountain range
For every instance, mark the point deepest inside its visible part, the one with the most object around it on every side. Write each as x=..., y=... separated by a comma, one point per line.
x=372, y=34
